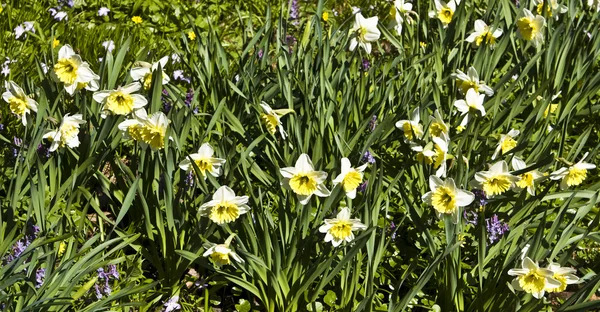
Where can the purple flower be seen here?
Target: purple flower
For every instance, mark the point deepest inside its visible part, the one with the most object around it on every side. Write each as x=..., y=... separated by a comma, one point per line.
x=189, y=179
x=178, y=75
x=368, y=157
x=103, y=11
x=201, y=283
x=480, y=197
x=290, y=40
x=373, y=123
x=189, y=97
x=260, y=53
x=43, y=151
x=392, y=229
x=18, y=142
x=495, y=228
x=166, y=102
x=363, y=187
x=112, y=271
x=19, y=247
x=58, y=15
x=98, y=292
x=1, y=127
x=468, y=214
x=365, y=64
x=294, y=11
x=40, y=274
x=172, y=305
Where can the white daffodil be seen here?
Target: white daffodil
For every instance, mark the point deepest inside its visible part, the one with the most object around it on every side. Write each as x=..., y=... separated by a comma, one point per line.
x=365, y=31
x=528, y=179
x=532, y=279
x=446, y=198
x=204, y=160
x=340, y=228
x=220, y=254
x=574, y=175
x=20, y=104
x=497, y=180
x=472, y=104
x=412, y=128
x=506, y=143
x=562, y=274
x=120, y=101
x=142, y=71
x=444, y=11
x=484, y=34
x=531, y=27
x=438, y=126
x=303, y=180
x=272, y=118
x=424, y=154
x=71, y=70
x=67, y=133
x=470, y=80
x=441, y=145
x=553, y=8
x=594, y=5
x=225, y=207
x=350, y=178
x=400, y=11
x=146, y=130
x=131, y=127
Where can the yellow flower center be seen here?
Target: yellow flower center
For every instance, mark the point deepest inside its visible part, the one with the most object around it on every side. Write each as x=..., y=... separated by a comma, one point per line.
x=465, y=85
x=437, y=128
x=526, y=180
x=563, y=283
x=444, y=200
x=204, y=165
x=424, y=159
x=220, y=258
x=507, y=144
x=17, y=105
x=575, y=176
x=224, y=212
x=540, y=7
x=486, y=37
x=352, y=180
x=341, y=230
x=147, y=81
x=362, y=32
x=410, y=131
x=66, y=70
x=153, y=136
x=119, y=103
x=270, y=121
x=135, y=132
x=496, y=185
x=532, y=282
x=303, y=184
x=550, y=109
x=445, y=15
x=393, y=12
x=527, y=28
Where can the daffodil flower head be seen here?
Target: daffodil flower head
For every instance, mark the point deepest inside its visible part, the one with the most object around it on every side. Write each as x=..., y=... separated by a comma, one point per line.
x=365, y=31
x=412, y=128
x=304, y=181
x=562, y=274
x=340, y=229
x=20, y=104
x=446, y=198
x=142, y=71
x=528, y=179
x=71, y=70
x=441, y=145
x=531, y=27
x=533, y=279
x=444, y=11
x=472, y=104
x=424, y=154
x=272, y=118
x=497, y=180
x=66, y=134
x=484, y=34
x=224, y=207
x=470, y=80
x=221, y=254
x=350, y=178
x=552, y=8
x=204, y=160
x=506, y=143
x=400, y=11
x=438, y=126
x=132, y=127
x=120, y=101
x=574, y=175
x=153, y=131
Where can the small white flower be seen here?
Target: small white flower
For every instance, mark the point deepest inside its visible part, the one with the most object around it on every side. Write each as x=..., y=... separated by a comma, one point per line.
x=103, y=11
x=340, y=228
x=109, y=45
x=365, y=31
x=350, y=178
x=19, y=31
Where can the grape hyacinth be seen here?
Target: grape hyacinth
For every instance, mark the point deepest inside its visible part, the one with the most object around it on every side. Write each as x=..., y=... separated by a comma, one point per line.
x=365, y=64
x=480, y=197
x=470, y=217
x=167, y=105
x=105, y=289
x=495, y=228
x=189, y=97
x=368, y=157
x=40, y=274
x=294, y=11
x=363, y=187
x=373, y=123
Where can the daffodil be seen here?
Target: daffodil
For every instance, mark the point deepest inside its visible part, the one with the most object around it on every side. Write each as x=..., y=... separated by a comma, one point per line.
x=142, y=71
x=204, y=160
x=562, y=274
x=412, y=128
x=425, y=153
x=484, y=34
x=303, y=180
x=497, y=180
x=272, y=118
x=120, y=101
x=438, y=126
x=574, y=175
x=528, y=179
x=441, y=145
x=67, y=133
x=506, y=143
x=470, y=80
x=472, y=104
x=444, y=11
x=20, y=104
x=400, y=11
x=446, y=198
x=532, y=279
x=552, y=8
x=340, y=228
x=132, y=127
x=225, y=207
x=220, y=254
x=594, y=5
x=350, y=178
x=71, y=70
x=531, y=27
x=146, y=130
x=365, y=31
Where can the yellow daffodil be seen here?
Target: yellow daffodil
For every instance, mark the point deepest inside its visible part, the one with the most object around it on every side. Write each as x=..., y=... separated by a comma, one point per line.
x=446, y=198
x=137, y=19
x=120, y=101
x=67, y=133
x=401, y=11
x=444, y=11
x=552, y=8
x=142, y=71
x=20, y=104
x=497, y=180
x=204, y=160
x=412, y=128
x=531, y=27
x=472, y=104
x=224, y=207
x=484, y=34
x=364, y=32
x=528, y=179
x=574, y=175
x=71, y=70
x=532, y=279
x=438, y=126
x=562, y=274
x=304, y=181
x=340, y=228
x=272, y=118
x=220, y=254
x=506, y=143
x=470, y=80
x=350, y=178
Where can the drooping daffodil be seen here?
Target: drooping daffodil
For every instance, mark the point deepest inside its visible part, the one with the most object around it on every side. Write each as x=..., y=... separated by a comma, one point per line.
x=272, y=118
x=470, y=80
x=142, y=71
x=220, y=254
x=412, y=128
x=506, y=143
x=574, y=175
x=67, y=133
x=530, y=27
x=472, y=104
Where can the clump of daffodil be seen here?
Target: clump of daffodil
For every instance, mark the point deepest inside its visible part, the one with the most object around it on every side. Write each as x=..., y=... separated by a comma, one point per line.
x=438, y=126
x=497, y=180
x=574, y=175
x=446, y=198
x=272, y=118
x=220, y=254
x=470, y=80
x=340, y=228
x=350, y=178
x=142, y=71
x=304, y=181
x=472, y=104
x=67, y=133
x=552, y=8
x=532, y=279
x=204, y=160
x=440, y=147
x=71, y=70
x=401, y=11
x=484, y=34
x=562, y=274
x=224, y=207
x=19, y=103
x=364, y=32
x=120, y=101
x=444, y=11
x=506, y=143
x=531, y=27
x=425, y=153
x=528, y=179
x=412, y=128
